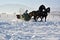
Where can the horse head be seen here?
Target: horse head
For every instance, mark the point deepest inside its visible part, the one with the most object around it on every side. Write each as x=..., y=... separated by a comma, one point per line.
x=41, y=8
x=48, y=10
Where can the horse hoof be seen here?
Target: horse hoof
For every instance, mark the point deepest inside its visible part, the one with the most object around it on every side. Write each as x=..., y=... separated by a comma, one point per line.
x=40, y=21
x=45, y=21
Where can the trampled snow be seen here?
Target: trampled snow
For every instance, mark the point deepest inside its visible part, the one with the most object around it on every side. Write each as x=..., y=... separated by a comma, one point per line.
x=22, y=30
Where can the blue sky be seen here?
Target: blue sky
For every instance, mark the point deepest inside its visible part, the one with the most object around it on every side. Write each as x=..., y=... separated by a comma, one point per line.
x=34, y=3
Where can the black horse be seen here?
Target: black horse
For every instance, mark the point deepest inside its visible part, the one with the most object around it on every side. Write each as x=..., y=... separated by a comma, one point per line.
x=35, y=14
x=44, y=14
x=41, y=13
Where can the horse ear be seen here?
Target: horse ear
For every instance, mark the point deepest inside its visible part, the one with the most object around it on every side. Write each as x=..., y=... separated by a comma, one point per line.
x=48, y=9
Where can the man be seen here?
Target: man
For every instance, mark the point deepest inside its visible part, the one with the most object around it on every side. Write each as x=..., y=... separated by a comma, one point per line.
x=26, y=16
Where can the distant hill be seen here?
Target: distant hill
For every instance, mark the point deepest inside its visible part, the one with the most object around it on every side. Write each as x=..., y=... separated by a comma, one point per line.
x=19, y=8
x=13, y=8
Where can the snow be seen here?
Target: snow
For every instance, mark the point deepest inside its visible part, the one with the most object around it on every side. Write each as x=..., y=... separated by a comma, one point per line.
x=30, y=30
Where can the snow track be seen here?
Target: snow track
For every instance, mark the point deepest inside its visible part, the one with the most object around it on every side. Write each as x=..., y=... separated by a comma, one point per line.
x=30, y=30
x=13, y=30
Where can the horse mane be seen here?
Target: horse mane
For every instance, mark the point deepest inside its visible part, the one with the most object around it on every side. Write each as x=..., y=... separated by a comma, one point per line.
x=41, y=8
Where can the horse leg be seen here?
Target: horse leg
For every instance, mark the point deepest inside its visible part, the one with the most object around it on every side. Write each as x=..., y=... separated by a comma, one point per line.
x=35, y=18
x=45, y=19
x=41, y=19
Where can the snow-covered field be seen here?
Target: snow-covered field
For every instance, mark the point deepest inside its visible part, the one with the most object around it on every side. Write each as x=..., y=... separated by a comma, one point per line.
x=21, y=30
